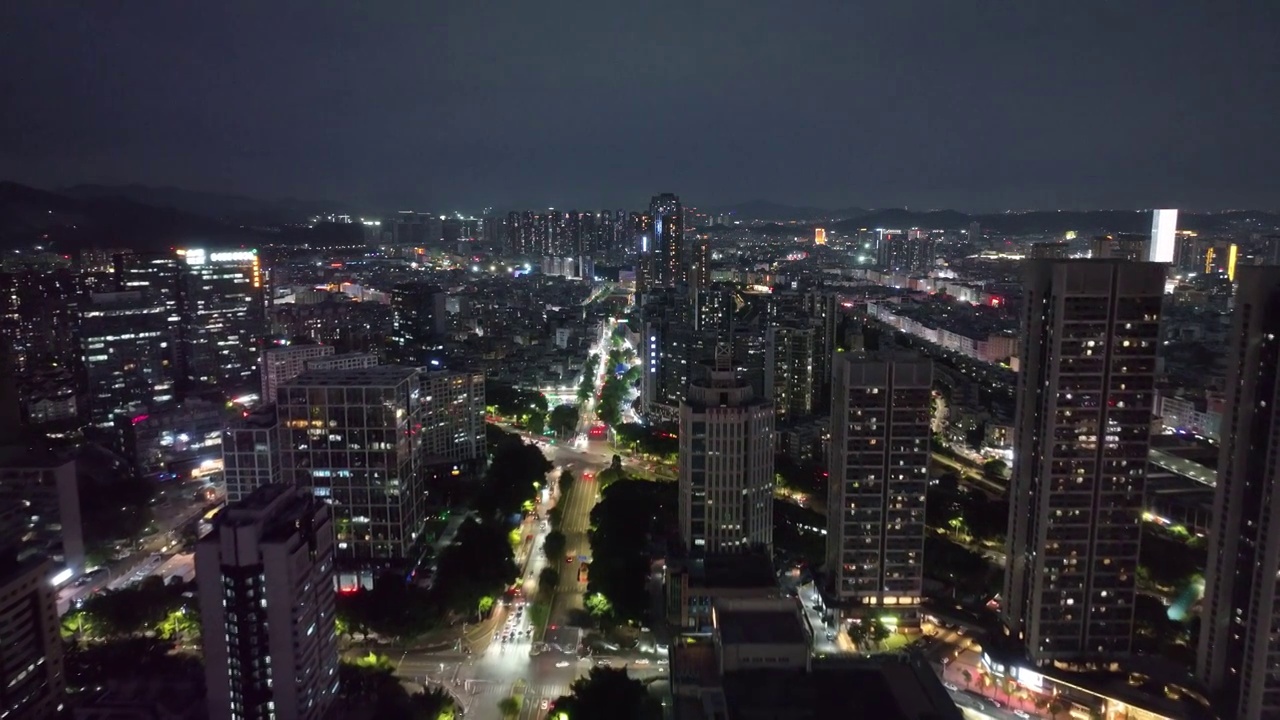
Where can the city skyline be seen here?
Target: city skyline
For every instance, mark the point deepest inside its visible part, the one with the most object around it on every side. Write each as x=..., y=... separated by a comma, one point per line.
x=990, y=110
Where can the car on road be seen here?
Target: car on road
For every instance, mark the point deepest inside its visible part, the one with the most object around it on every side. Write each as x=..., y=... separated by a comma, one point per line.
x=951, y=686
x=604, y=662
x=1021, y=713
x=562, y=664
x=641, y=661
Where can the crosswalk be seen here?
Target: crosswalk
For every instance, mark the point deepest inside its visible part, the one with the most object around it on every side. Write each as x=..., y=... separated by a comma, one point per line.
x=499, y=690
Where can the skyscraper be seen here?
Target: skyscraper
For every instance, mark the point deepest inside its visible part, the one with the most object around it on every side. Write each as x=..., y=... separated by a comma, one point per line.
x=222, y=311
x=669, y=267
x=127, y=352
x=354, y=437
x=726, y=464
x=267, y=607
x=453, y=426
x=878, y=476
x=1085, y=399
x=1239, y=648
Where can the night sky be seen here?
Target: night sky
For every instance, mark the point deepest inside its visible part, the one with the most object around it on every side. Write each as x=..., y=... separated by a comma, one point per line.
x=458, y=105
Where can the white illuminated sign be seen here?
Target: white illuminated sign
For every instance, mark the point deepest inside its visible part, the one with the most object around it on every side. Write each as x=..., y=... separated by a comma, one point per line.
x=243, y=256
x=62, y=576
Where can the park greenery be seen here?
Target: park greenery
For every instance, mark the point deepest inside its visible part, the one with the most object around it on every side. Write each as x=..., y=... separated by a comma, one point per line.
x=630, y=514
x=607, y=694
x=661, y=442
x=525, y=408
x=517, y=470
x=149, y=608
x=369, y=682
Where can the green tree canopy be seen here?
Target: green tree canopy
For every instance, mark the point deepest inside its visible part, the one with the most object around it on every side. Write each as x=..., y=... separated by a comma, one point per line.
x=477, y=563
x=609, y=694
x=554, y=545
x=629, y=514
x=564, y=419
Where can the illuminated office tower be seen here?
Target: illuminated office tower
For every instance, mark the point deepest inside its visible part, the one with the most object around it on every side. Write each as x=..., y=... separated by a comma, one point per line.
x=222, y=311
x=878, y=472
x=1239, y=645
x=127, y=352
x=819, y=236
x=282, y=364
x=267, y=610
x=1164, y=231
x=354, y=438
x=726, y=464
x=1090, y=334
x=668, y=264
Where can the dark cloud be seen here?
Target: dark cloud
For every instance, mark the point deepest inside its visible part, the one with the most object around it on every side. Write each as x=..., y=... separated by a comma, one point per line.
x=964, y=103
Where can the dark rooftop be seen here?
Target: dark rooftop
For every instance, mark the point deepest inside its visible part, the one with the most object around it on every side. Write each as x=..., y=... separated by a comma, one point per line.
x=760, y=627
x=884, y=688
x=733, y=571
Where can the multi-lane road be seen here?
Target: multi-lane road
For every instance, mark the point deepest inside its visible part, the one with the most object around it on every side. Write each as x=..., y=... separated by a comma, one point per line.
x=502, y=661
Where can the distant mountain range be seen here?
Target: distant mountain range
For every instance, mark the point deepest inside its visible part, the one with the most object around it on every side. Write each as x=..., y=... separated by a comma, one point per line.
x=144, y=218
x=233, y=209
x=1011, y=223
x=147, y=218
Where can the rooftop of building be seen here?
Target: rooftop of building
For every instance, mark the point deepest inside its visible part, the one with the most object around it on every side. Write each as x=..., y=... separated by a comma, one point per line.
x=263, y=417
x=378, y=376
x=279, y=506
x=749, y=570
x=759, y=626
x=883, y=688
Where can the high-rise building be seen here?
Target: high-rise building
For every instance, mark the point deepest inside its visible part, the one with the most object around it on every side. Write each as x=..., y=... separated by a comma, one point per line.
x=700, y=262
x=1239, y=646
x=354, y=437
x=726, y=464
x=267, y=607
x=42, y=491
x=819, y=236
x=223, y=316
x=32, y=681
x=669, y=267
x=1085, y=398
x=789, y=367
x=1163, y=240
x=282, y=364
x=911, y=252
x=453, y=426
x=1050, y=250
x=38, y=314
x=878, y=476
x=127, y=352
x=251, y=453
x=418, y=320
